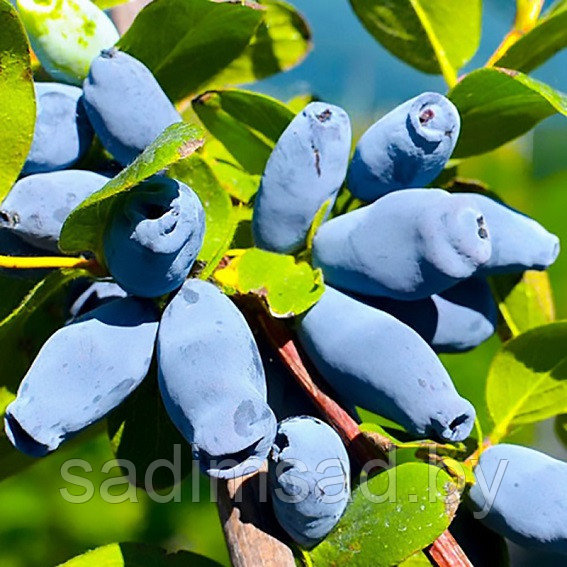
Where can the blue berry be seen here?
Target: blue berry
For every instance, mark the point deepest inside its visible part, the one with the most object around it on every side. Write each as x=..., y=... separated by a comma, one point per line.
x=408, y=245
x=95, y=295
x=82, y=372
x=378, y=363
x=38, y=205
x=306, y=168
x=456, y=320
x=126, y=105
x=522, y=495
x=309, y=477
x=212, y=381
x=407, y=148
x=62, y=133
x=518, y=242
x=154, y=237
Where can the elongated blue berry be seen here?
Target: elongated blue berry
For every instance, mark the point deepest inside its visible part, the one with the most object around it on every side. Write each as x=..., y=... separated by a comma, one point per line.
x=306, y=168
x=378, y=363
x=62, y=134
x=126, y=105
x=518, y=242
x=408, y=245
x=212, y=381
x=521, y=494
x=309, y=476
x=38, y=205
x=154, y=237
x=81, y=373
x=407, y=148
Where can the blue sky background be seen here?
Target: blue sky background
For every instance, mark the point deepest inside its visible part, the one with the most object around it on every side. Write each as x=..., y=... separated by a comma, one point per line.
x=348, y=67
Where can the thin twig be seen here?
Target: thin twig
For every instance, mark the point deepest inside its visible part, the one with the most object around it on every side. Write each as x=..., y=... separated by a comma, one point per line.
x=44, y=262
x=527, y=14
x=446, y=552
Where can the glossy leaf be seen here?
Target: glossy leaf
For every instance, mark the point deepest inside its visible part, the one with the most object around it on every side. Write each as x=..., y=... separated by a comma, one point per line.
x=527, y=381
x=248, y=124
x=525, y=300
x=290, y=288
x=220, y=220
x=299, y=102
x=193, y=41
x=418, y=559
x=434, y=37
x=236, y=181
x=137, y=555
x=84, y=227
x=282, y=40
x=498, y=105
x=540, y=44
x=409, y=507
x=17, y=97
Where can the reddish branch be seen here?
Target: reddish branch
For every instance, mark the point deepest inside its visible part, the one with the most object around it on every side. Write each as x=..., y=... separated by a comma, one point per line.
x=446, y=552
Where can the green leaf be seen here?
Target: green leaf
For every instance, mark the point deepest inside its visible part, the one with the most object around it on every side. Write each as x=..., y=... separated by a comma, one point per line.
x=6, y=397
x=248, y=124
x=318, y=220
x=290, y=288
x=84, y=227
x=281, y=41
x=435, y=37
x=138, y=555
x=194, y=41
x=525, y=300
x=236, y=181
x=409, y=507
x=498, y=105
x=418, y=559
x=299, y=102
x=542, y=42
x=141, y=433
x=527, y=381
x=220, y=220
x=17, y=97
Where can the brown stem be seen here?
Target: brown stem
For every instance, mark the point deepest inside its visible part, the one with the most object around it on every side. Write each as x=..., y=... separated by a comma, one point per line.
x=247, y=521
